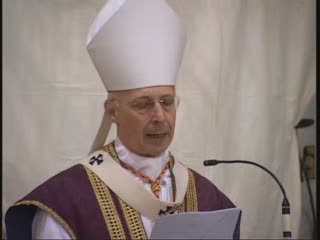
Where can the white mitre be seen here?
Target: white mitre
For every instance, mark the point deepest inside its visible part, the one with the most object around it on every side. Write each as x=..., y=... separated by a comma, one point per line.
x=135, y=44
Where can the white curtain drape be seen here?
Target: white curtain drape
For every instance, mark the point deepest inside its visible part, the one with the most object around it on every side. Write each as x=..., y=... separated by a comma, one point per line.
x=247, y=75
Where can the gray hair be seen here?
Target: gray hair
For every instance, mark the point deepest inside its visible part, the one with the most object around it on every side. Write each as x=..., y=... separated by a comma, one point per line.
x=112, y=95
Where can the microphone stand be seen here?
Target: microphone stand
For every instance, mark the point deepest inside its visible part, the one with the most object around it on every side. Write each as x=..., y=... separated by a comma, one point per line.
x=305, y=122
x=285, y=202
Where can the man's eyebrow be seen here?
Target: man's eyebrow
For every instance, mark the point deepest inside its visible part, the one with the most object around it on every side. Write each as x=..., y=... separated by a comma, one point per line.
x=142, y=97
x=167, y=95
x=150, y=97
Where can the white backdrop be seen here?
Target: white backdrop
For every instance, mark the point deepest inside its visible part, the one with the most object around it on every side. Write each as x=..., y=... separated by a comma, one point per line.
x=246, y=78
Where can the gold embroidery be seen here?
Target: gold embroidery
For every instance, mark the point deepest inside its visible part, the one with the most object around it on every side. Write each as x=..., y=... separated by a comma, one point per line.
x=134, y=222
x=51, y=212
x=107, y=207
x=191, y=196
x=190, y=202
x=112, y=151
x=133, y=218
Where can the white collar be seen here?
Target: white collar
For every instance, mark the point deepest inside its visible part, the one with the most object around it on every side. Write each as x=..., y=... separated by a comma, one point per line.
x=151, y=167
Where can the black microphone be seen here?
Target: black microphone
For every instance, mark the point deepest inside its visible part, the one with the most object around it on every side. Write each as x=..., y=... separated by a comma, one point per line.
x=285, y=202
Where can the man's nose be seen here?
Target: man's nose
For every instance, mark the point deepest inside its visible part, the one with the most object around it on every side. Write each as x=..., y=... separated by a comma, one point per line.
x=158, y=113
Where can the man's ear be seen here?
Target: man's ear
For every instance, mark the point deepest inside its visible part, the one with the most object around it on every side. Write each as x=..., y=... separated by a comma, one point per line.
x=111, y=108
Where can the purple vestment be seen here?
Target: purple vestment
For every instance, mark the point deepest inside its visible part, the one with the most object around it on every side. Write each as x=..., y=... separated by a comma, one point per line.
x=88, y=209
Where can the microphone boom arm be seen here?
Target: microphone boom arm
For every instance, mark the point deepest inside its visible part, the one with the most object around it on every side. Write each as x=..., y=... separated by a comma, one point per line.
x=215, y=162
x=285, y=202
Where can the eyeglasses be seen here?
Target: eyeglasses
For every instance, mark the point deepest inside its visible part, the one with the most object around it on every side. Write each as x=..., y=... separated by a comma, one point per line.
x=145, y=104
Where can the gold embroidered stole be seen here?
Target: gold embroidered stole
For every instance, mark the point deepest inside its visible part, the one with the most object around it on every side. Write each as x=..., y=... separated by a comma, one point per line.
x=132, y=219
x=111, y=214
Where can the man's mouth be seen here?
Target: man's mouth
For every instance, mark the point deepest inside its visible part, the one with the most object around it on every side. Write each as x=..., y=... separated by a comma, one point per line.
x=156, y=135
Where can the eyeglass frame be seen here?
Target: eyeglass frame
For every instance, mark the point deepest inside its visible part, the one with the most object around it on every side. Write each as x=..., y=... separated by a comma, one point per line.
x=152, y=103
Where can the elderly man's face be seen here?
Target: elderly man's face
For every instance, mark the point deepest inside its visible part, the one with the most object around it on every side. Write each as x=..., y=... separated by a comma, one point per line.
x=145, y=118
